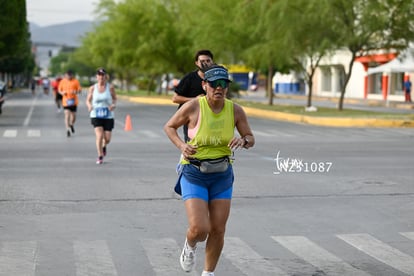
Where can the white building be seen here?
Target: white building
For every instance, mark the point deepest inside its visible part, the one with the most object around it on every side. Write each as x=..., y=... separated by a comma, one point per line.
x=382, y=85
x=378, y=76
x=43, y=52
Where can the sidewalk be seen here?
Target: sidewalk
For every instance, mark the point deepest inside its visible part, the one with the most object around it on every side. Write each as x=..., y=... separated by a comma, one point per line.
x=259, y=96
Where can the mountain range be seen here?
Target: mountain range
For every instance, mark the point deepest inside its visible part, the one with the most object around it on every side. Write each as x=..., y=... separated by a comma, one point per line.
x=67, y=34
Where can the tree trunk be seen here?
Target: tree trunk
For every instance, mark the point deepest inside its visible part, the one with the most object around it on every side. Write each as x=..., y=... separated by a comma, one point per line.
x=310, y=84
x=347, y=78
x=269, y=84
x=127, y=85
x=167, y=79
x=341, y=100
x=150, y=83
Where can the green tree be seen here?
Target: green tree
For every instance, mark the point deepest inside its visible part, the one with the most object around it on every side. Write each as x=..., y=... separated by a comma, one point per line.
x=58, y=64
x=242, y=36
x=15, y=48
x=138, y=36
x=67, y=59
x=148, y=38
x=263, y=49
x=304, y=36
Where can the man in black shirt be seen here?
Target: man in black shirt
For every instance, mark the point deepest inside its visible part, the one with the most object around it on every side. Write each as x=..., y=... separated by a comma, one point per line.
x=190, y=85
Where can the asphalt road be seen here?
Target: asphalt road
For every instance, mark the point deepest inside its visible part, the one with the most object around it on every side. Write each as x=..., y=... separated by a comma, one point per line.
x=308, y=200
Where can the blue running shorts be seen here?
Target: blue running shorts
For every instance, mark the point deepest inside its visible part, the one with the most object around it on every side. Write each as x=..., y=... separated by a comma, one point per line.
x=190, y=190
x=192, y=183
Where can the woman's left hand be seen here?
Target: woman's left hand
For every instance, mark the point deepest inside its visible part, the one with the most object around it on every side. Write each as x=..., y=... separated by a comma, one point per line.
x=236, y=143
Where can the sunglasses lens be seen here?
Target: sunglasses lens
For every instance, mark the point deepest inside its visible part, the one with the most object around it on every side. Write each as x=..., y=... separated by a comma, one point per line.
x=221, y=83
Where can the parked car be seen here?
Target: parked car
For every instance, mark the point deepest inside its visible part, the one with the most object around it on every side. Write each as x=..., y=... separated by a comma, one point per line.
x=2, y=94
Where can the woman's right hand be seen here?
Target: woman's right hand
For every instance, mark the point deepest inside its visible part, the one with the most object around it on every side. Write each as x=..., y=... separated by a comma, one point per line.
x=188, y=150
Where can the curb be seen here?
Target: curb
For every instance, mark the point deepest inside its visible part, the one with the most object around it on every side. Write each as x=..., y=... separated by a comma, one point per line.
x=147, y=100
x=346, y=122
x=327, y=121
x=368, y=102
x=281, y=116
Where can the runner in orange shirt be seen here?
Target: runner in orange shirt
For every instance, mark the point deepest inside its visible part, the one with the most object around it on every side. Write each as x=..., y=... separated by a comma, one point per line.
x=69, y=88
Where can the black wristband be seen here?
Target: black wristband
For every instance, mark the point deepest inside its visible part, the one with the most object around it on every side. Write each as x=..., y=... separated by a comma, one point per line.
x=246, y=141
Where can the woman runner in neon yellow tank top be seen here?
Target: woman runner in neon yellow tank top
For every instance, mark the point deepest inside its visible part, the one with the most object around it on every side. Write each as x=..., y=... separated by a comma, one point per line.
x=206, y=179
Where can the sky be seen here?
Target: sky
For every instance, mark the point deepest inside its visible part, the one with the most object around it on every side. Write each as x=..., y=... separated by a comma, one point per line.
x=50, y=12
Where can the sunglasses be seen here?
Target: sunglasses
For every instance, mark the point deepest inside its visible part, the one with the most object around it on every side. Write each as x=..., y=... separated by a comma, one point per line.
x=222, y=83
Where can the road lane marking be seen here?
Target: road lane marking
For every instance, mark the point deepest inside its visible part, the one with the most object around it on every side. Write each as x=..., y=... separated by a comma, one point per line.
x=262, y=133
x=276, y=133
x=163, y=255
x=150, y=134
x=10, y=133
x=247, y=260
x=381, y=251
x=33, y=133
x=29, y=114
x=93, y=258
x=318, y=256
x=18, y=258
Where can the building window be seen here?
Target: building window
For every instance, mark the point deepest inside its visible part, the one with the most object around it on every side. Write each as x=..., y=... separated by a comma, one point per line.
x=398, y=81
x=326, y=79
x=375, y=84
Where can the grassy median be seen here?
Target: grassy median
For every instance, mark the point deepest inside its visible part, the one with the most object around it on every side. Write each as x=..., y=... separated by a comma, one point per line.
x=326, y=111
x=293, y=109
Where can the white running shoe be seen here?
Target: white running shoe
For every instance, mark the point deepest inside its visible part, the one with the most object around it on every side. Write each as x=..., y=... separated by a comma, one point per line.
x=188, y=257
x=207, y=273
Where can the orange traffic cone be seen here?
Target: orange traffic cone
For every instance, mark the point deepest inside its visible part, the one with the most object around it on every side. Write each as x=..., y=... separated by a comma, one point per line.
x=128, y=123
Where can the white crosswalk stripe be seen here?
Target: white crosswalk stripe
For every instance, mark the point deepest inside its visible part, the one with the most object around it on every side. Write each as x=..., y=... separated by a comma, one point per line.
x=93, y=258
x=247, y=260
x=381, y=251
x=10, y=133
x=34, y=133
x=157, y=134
x=163, y=254
x=18, y=258
x=317, y=256
x=409, y=235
